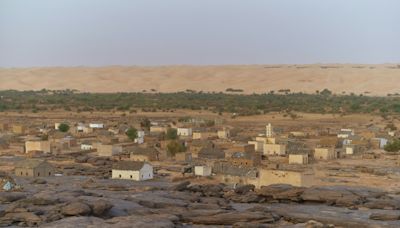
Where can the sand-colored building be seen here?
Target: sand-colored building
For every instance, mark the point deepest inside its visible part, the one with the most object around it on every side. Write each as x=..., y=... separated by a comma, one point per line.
x=269, y=140
x=183, y=157
x=107, y=150
x=43, y=146
x=299, y=134
x=258, y=145
x=33, y=168
x=298, y=159
x=295, y=178
x=144, y=154
x=132, y=170
x=274, y=149
x=245, y=159
x=202, y=170
x=18, y=129
x=158, y=129
x=224, y=133
x=203, y=135
x=324, y=153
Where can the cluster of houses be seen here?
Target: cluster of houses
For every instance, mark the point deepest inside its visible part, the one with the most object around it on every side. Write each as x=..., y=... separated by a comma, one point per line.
x=271, y=157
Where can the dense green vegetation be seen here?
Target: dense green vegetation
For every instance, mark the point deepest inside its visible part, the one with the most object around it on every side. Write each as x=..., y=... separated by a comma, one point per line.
x=63, y=127
x=175, y=147
x=393, y=146
x=132, y=133
x=320, y=102
x=171, y=134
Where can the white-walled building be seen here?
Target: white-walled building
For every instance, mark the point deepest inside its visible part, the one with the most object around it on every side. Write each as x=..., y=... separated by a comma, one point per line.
x=269, y=131
x=96, y=125
x=184, y=131
x=132, y=170
x=86, y=146
x=345, y=133
x=140, y=137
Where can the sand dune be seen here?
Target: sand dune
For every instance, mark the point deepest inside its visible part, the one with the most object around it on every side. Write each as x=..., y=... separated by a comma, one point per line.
x=375, y=79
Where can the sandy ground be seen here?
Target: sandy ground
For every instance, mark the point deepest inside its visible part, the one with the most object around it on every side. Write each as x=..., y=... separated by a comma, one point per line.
x=367, y=79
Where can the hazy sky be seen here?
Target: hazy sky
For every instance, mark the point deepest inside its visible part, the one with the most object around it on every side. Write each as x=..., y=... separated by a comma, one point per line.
x=162, y=32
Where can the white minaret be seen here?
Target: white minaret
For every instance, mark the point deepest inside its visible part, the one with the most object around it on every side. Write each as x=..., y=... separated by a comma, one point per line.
x=268, y=130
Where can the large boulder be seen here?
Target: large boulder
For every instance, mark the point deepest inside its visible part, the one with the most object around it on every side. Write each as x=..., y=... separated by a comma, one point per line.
x=231, y=218
x=391, y=204
x=81, y=159
x=76, y=208
x=73, y=222
x=22, y=218
x=100, y=207
x=282, y=192
x=243, y=189
x=332, y=196
x=385, y=216
x=182, y=186
x=8, y=197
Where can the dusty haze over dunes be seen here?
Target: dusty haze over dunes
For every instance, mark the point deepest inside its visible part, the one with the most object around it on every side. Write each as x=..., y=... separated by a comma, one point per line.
x=374, y=79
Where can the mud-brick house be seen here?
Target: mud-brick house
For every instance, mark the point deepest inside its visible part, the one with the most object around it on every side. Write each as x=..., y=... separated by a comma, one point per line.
x=292, y=177
x=202, y=170
x=34, y=168
x=327, y=153
x=158, y=129
x=183, y=157
x=258, y=145
x=211, y=151
x=224, y=133
x=144, y=154
x=19, y=129
x=38, y=145
x=196, y=145
x=245, y=159
x=240, y=147
x=274, y=149
x=107, y=150
x=298, y=159
x=132, y=170
x=203, y=135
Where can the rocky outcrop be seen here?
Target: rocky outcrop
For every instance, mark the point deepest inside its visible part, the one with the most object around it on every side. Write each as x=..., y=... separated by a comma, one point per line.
x=75, y=209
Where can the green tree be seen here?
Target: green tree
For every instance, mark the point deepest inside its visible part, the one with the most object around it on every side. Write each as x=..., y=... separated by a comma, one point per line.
x=175, y=147
x=172, y=134
x=132, y=133
x=393, y=146
x=63, y=127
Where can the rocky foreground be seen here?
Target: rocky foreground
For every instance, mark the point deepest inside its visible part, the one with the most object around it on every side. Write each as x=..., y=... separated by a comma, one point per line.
x=86, y=202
